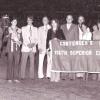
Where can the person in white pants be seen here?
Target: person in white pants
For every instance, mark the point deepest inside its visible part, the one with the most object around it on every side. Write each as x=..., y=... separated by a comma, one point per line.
x=42, y=33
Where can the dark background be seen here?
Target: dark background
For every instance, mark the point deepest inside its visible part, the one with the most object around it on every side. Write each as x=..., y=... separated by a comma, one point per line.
x=53, y=8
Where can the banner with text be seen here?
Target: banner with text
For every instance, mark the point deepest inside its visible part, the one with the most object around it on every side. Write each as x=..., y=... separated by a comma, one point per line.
x=75, y=56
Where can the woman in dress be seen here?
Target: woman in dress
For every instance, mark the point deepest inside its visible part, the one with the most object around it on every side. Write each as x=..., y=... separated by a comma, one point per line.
x=54, y=33
x=13, y=48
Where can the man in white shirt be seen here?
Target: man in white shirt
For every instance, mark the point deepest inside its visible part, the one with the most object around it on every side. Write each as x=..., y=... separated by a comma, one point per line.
x=81, y=20
x=30, y=40
x=42, y=32
x=82, y=36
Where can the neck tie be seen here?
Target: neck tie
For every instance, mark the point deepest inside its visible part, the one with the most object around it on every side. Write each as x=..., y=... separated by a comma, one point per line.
x=30, y=30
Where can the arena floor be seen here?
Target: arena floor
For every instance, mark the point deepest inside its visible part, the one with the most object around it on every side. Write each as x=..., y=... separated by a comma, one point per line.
x=45, y=90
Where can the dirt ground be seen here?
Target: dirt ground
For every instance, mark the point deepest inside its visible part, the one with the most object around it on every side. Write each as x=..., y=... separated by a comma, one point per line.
x=45, y=90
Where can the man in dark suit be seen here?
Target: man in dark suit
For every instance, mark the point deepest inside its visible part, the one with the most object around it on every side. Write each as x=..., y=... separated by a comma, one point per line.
x=70, y=31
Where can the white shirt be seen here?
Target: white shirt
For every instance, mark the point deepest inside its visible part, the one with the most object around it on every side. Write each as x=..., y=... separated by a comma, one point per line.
x=29, y=37
x=87, y=36
x=68, y=26
x=81, y=33
x=42, y=33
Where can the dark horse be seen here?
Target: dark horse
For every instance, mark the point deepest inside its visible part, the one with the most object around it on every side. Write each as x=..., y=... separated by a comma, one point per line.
x=5, y=26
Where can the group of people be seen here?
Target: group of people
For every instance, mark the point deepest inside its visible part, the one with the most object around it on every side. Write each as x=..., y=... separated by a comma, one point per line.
x=22, y=44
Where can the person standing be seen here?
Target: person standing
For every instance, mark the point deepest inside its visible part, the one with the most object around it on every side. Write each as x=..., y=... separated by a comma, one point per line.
x=30, y=40
x=81, y=20
x=70, y=31
x=42, y=32
x=96, y=37
x=96, y=31
x=86, y=36
x=54, y=33
x=13, y=48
